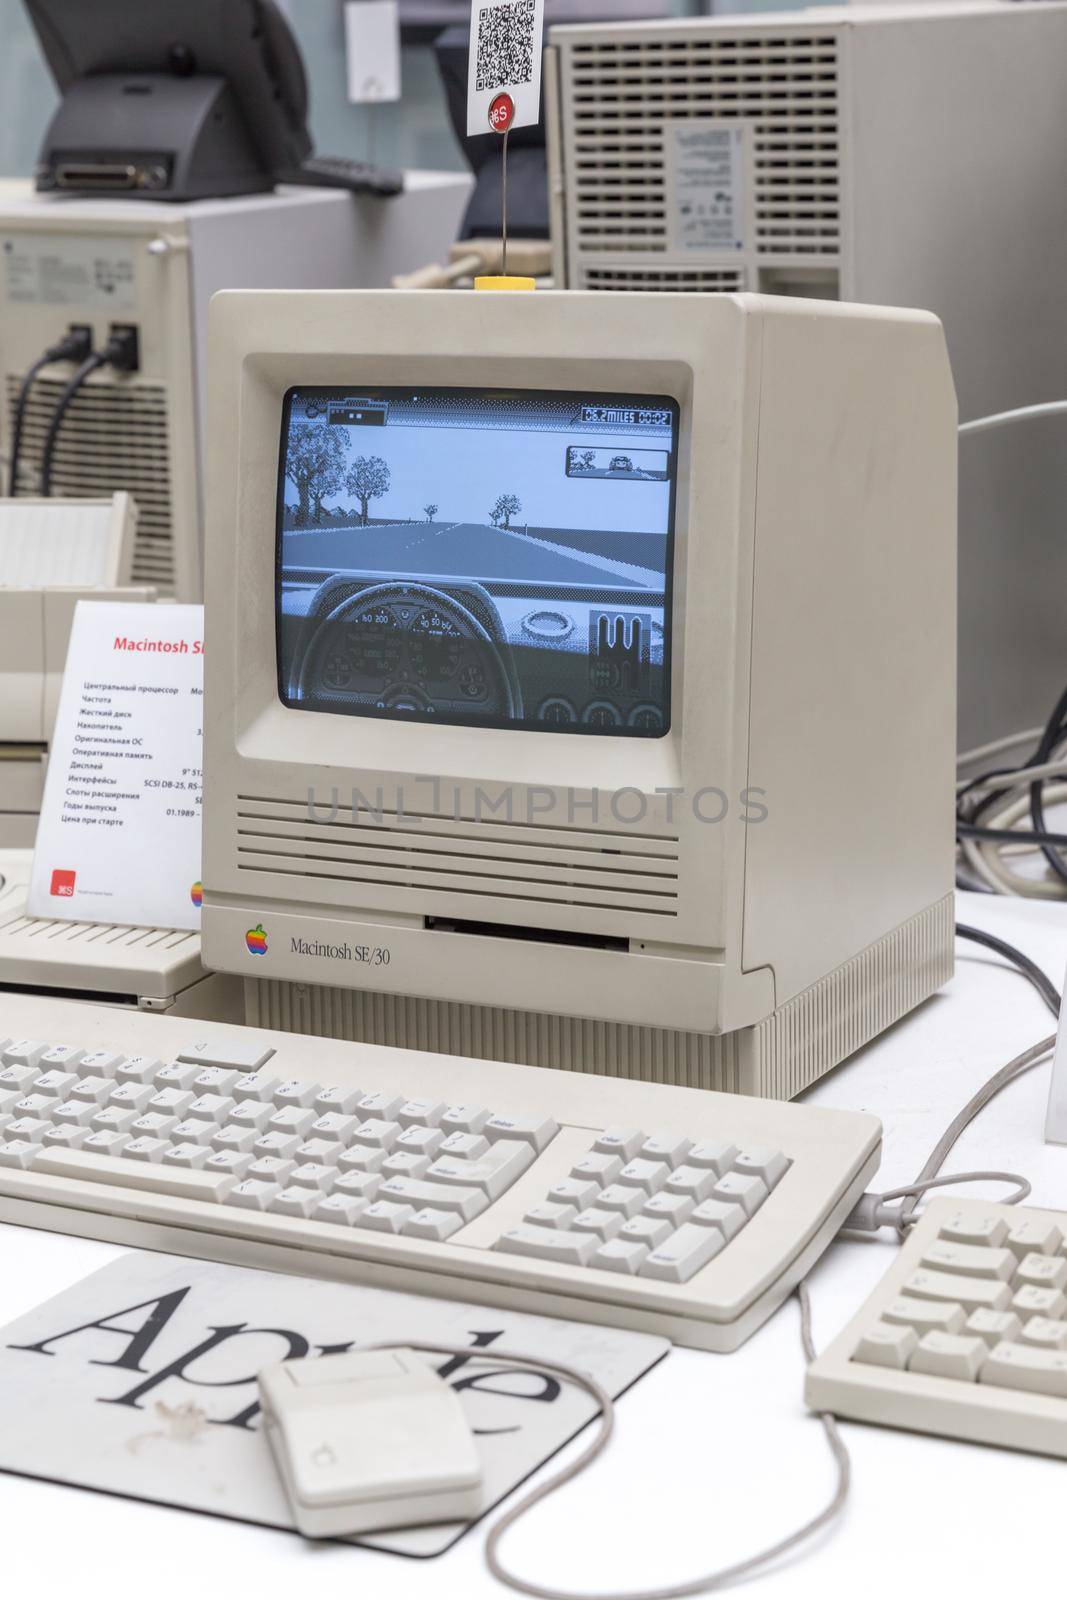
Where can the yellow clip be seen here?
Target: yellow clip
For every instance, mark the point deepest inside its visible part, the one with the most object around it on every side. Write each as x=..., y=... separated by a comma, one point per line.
x=505, y=284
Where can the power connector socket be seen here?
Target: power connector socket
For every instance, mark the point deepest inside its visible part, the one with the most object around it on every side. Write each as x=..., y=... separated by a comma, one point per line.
x=123, y=347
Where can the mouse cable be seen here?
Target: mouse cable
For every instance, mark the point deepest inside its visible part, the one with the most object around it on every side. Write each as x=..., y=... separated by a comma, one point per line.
x=566, y=1474
x=874, y=1211
x=75, y=346
x=1003, y=419
x=120, y=352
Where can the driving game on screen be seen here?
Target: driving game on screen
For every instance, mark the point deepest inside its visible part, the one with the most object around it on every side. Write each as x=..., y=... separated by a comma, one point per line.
x=493, y=558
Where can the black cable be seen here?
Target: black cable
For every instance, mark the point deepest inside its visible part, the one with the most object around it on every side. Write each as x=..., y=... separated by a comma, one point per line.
x=1022, y=963
x=1051, y=737
x=91, y=364
x=75, y=346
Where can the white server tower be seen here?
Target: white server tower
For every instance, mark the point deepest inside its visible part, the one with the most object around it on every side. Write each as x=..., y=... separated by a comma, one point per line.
x=890, y=155
x=67, y=261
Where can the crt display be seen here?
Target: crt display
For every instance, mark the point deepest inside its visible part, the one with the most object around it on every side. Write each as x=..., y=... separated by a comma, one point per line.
x=484, y=557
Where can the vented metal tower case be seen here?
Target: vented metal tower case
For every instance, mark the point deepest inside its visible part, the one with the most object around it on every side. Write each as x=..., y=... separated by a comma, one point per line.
x=96, y=262
x=891, y=155
x=586, y=902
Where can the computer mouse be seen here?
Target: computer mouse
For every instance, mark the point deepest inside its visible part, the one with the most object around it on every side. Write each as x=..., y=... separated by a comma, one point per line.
x=369, y=1440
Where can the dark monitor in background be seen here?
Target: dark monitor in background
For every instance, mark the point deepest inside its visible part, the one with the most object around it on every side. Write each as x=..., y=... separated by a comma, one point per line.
x=171, y=99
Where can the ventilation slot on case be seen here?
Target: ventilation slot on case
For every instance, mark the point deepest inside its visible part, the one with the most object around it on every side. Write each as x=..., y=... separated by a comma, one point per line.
x=114, y=436
x=624, y=91
x=494, y=862
x=669, y=280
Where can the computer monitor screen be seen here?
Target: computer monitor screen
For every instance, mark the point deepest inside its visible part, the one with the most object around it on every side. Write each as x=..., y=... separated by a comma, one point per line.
x=488, y=558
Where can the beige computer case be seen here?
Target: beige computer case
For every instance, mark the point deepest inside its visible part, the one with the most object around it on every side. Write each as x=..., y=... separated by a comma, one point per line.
x=99, y=262
x=885, y=154
x=813, y=660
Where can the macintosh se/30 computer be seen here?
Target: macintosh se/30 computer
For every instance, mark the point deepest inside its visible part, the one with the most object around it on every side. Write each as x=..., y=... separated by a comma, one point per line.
x=580, y=684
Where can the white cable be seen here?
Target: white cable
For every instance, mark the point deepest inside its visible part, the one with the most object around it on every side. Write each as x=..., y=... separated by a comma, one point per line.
x=1002, y=419
x=982, y=752
x=1011, y=780
x=532, y=1497
x=986, y=855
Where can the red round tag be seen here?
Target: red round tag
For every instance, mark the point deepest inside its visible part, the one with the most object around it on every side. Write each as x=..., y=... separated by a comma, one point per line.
x=502, y=113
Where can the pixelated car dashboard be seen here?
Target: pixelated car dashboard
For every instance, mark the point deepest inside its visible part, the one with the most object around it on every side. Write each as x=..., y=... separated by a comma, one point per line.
x=574, y=658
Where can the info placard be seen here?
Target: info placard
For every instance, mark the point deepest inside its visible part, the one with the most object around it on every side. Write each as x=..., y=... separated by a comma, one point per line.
x=119, y=836
x=505, y=60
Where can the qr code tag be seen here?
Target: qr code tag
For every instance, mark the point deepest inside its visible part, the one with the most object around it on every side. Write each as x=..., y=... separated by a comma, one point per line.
x=505, y=56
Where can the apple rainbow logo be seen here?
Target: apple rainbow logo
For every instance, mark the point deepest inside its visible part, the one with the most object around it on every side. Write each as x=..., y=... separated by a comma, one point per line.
x=256, y=940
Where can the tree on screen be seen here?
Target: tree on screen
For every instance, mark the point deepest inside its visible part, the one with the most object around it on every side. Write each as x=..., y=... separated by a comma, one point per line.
x=507, y=506
x=314, y=464
x=431, y=511
x=368, y=479
x=582, y=460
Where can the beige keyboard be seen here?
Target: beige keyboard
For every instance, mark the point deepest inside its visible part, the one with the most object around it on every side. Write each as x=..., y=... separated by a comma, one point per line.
x=669, y=1210
x=966, y=1335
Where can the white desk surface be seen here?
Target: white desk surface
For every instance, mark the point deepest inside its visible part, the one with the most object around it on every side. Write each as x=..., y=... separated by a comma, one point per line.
x=714, y=1455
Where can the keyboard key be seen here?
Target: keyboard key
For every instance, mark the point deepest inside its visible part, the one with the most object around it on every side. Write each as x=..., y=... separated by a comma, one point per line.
x=26, y=1128
x=126, y=1174
x=464, y=1119
x=577, y=1192
x=385, y=1216
x=620, y=1197
x=292, y=1119
x=1033, y=1302
x=313, y=1175
x=696, y=1182
x=549, y=1244
x=62, y=1056
x=234, y=1140
x=675, y=1208
x=94, y=1088
x=295, y=1202
x=688, y=1249
x=971, y=1293
x=494, y=1172
x=24, y=1053
x=251, y=1114
x=235, y=1162
x=324, y=1151
x=737, y=1189
x=294, y=1092
x=143, y=1149
x=645, y=1174
x=464, y=1146
x=336, y=1126
x=113, y=1119
x=377, y=1132
x=549, y=1214
x=105, y=1142
x=1046, y=1333
x=55, y=1084
x=131, y=1096
x=32, y=1105
x=993, y=1326
x=254, y=1086
x=271, y=1169
x=20, y=1078
x=18, y=1153
x=154, y=1124
x=1044, y=1272
x=405, y=1164
x=66, y=1136
x=431, y=1224
x=649, y=1231
x=421, y=1113
x=360, y=1159
x=175, y=1075
x=251, y=1193
x=725, y=1215
x=358, y=1185
x=934, y=1316
x=469, y=1203
x=102, y=1063
x=211, y=1108
x=621, y=1142
x=171, y=1102
x=667, y=1147
x=950, y=1355
x=1024, y=1366
x=715, y=1154
x=77, y=1112
x=887, y=1345
x=1033, y=1235
x=215, y=1080
x=605, y=1224
x=340, y=1208
x=620, y=1255
x=186, y=1155
x=137, y=1069
x=282, y=1145
x=189, y=1131
x=247, y=1052
x=757, y=1162
x=338, y=1102
x=419, y=1140
x=536, y=1130
x=380, y=1106
x=973, y=1260
x=599, y=1169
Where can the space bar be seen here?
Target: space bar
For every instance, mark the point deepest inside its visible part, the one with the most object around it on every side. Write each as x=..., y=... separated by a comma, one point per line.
x=187, y=1185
